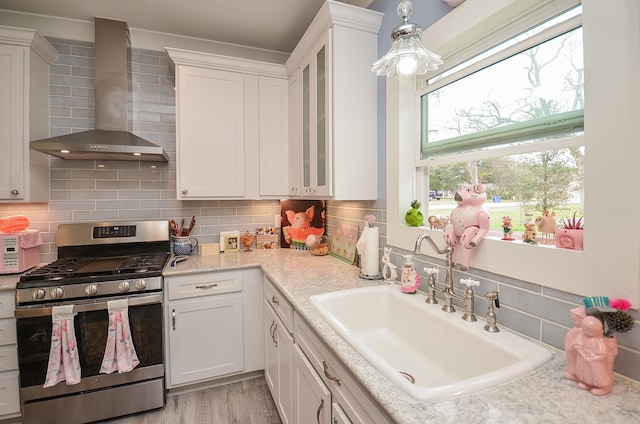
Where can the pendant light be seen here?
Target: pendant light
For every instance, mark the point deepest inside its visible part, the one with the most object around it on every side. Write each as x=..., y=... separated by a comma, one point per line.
x=407, y=56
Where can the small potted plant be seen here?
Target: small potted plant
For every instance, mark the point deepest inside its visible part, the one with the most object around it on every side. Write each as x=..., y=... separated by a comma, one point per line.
x=414, y=216
x=571, y=234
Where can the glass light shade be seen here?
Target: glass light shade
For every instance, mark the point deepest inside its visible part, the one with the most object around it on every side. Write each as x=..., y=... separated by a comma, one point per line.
x=407, y=57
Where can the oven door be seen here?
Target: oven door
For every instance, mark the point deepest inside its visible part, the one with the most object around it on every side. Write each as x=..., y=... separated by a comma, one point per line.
x=91, y=322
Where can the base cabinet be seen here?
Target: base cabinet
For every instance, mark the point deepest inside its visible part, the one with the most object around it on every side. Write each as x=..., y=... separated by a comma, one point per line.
x=351, y=403
x=278, y=354
x=206, y=338
x=312, y=398
x=9, y=384
x=213, y=326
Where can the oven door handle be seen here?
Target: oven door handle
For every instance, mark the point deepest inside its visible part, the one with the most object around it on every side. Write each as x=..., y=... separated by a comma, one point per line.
x=43, y=311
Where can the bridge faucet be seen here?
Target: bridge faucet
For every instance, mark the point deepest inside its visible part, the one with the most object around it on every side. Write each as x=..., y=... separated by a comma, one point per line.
x=447, y=290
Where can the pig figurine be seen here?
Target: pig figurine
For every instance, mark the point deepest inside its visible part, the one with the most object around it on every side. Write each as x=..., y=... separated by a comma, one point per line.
x=469, y=222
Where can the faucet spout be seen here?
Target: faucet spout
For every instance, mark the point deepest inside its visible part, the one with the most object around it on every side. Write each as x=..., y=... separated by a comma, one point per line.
x=447, y=291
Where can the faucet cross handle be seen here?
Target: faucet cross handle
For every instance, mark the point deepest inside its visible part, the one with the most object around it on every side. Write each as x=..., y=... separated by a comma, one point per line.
x=469, y=282
x=431, y=270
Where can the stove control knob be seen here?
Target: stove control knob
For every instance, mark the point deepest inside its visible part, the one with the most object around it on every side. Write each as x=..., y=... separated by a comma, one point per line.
x=91, y=289
x=56, y=292
x=124, y=286
x=141, y=284
x=38, y=294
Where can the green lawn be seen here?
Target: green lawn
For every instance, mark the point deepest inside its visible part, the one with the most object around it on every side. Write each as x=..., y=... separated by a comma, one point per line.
x=498, y=210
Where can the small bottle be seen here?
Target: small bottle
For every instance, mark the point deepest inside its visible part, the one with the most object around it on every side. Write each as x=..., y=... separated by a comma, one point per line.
x=409, y=280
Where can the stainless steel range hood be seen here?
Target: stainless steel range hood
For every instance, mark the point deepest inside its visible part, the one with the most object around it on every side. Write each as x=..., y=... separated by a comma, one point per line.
x=111, y=139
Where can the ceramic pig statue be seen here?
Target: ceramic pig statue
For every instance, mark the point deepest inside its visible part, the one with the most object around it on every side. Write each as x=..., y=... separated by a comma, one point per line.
x=469, y=222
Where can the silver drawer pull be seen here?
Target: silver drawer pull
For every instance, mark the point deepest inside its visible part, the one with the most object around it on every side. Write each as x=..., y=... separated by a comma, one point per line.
x=173, y=318
x=208, y=286
x=275, y=300
x=329, y=376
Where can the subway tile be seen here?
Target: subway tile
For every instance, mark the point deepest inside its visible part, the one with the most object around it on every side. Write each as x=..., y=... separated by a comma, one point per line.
x=138, y=194
x=94, y=194
x=627, y=362
x=518, y=321
x=547, y=308
x=100, y=215
x=117, y=185
x=116, y=204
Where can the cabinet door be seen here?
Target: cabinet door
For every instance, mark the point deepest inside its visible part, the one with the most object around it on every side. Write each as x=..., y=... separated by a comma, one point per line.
x=339, y=416
x=210, y=144
x=274, y=136
x=205, y=338
x=295, y=133
x=278, y=364
x=316, y=121
x=11, y=122
x=312, y=398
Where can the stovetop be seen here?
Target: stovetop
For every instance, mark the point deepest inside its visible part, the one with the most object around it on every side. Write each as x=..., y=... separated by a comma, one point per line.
x=80, y=270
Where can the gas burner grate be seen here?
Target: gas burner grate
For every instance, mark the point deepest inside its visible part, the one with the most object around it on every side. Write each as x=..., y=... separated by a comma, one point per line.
x=149, y=262
x=58, y=270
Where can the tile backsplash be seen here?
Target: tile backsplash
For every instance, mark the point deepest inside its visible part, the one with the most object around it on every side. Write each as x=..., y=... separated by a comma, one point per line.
x=90, y=191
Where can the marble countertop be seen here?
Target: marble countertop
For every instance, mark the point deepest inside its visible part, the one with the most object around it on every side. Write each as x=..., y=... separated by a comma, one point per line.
x=542, y=396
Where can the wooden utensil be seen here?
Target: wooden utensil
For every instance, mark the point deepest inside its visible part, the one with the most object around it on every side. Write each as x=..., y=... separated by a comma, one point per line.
x=191, y=225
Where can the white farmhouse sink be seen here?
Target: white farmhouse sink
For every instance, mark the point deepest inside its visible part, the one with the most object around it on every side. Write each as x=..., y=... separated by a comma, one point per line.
x=407, y=339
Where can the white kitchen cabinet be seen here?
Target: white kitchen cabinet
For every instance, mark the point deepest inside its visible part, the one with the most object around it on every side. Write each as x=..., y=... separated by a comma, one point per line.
x=334, y=116
x=232, y=127
x=24, y=114
x=9, y=383
x=213, y=327
x=312, y=398
x=278, y=314
x=350, y=399
x=274, y=136
x=339, y=416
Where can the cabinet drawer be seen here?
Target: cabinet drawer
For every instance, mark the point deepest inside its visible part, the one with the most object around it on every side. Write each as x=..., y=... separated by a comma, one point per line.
x=9, y=393
x=7, y=304
x=196, y=285
x=279, y=304
x=8, y=358
x=8, y=332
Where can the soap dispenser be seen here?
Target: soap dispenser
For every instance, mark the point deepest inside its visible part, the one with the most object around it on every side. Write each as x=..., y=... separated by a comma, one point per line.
x=410, y=280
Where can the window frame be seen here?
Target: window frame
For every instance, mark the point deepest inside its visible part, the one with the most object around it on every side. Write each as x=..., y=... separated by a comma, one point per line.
x=600, y=269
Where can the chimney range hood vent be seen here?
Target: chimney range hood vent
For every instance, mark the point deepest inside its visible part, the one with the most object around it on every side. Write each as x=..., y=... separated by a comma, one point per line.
x=111, y=139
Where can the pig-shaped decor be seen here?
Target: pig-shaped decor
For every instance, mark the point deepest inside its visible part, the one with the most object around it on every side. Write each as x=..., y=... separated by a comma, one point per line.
x=469, y=222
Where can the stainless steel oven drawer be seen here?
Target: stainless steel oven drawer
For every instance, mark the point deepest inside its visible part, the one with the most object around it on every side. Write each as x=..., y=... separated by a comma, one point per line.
x=96, y=405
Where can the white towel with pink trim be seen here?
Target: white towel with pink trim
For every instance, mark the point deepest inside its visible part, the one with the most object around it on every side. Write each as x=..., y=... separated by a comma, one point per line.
x=64, y=364
x=119, y=354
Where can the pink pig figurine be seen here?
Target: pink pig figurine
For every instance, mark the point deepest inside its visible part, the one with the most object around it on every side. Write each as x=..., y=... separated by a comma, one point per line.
x=469, y=221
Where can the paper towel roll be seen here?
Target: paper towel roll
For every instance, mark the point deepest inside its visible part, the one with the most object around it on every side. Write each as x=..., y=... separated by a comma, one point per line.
x=367, y=246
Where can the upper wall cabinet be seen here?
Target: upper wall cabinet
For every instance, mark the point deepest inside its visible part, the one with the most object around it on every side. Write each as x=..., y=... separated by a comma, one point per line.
x=25, y=57
x=333, y=128
x=232, y=127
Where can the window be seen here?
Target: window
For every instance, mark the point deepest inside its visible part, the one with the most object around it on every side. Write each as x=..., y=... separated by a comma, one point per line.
x=609, y=145
x=524, y=96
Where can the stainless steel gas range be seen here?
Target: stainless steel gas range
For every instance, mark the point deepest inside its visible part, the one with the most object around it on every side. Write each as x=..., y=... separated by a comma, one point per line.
x=98, y=263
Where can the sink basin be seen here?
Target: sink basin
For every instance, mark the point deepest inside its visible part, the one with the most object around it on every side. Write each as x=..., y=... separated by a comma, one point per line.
x=429, y=354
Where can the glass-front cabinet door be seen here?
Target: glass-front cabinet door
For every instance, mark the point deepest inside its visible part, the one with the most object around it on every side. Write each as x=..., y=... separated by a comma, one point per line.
x=316, y=146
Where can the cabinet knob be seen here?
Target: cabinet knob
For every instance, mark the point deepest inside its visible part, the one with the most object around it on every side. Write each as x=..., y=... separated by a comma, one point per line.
x=15, y=192
x=185, y=191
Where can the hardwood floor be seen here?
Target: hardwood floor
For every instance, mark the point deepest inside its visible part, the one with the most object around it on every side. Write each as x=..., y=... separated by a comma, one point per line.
x=245, y=402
